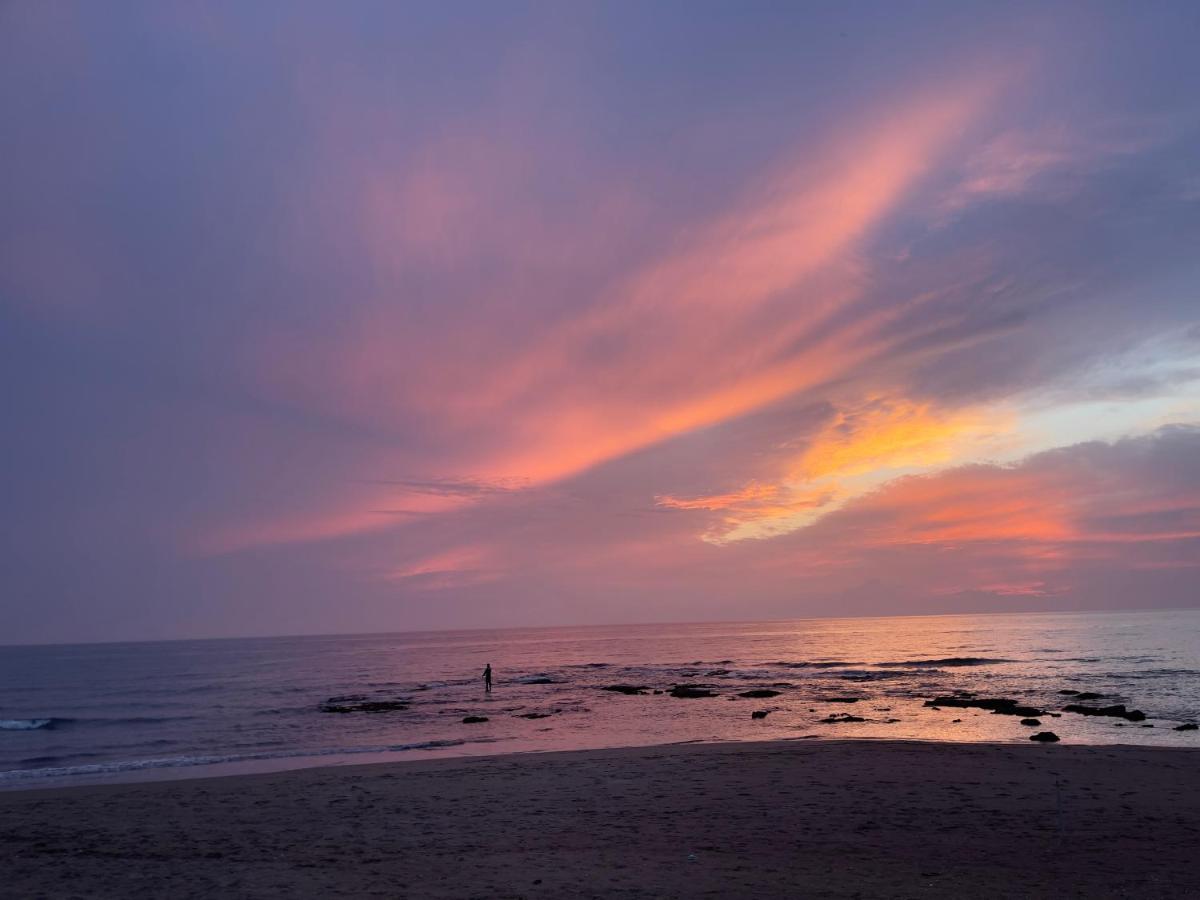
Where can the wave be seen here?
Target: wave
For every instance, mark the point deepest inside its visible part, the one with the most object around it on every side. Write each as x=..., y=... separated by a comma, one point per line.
x=815, y=665
x=45, y=760
x=12, y=776
x=949, y=661
x=430, y=685
x=133, y=720
x=876, y=675
x=28, y=724
x=99, y=721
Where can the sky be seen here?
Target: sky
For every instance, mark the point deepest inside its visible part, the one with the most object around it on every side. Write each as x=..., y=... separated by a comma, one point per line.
x=344, y=317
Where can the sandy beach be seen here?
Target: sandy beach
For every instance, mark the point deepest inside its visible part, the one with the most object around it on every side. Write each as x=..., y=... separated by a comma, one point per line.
x=776, y=819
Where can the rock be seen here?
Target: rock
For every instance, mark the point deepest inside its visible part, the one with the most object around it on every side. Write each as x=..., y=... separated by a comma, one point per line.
x=953, y=721
x=339, y=705
x=1086, y=695
x=841, y=699
x=534, y=716
x=759, y=694
x=690, y=692
x=626, y=689
x=1026, y=711
x=474, y=720
x=1118, y=711
x=1031, y=722
x=838, y=718
x=1044, y=737
x=1069, y=693
x=1186, y=726
x=658, y=692
x=760, y=714
x=1002, y=705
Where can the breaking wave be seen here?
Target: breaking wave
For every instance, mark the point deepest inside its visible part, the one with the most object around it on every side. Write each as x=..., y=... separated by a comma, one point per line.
x=949, y=661
x=27, y=724
x=16, y=776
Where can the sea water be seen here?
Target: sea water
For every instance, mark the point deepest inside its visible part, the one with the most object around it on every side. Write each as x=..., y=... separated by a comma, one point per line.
x=134, y=711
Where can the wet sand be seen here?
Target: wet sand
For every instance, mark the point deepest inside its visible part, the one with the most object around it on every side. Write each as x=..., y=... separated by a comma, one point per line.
x=779, y=819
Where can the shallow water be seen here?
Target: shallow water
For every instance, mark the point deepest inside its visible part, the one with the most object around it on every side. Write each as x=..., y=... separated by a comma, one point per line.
x=82, y=713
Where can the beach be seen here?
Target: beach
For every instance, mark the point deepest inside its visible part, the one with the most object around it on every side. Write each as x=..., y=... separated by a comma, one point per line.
x=798, y=818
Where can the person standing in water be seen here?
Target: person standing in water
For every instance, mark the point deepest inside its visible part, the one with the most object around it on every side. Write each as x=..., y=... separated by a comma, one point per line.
x=487, y=678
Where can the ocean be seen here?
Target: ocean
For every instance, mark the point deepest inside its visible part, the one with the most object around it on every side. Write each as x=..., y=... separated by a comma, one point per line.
x=138, y=711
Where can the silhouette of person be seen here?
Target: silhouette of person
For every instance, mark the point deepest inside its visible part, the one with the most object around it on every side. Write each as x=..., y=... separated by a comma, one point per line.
x=487, y=677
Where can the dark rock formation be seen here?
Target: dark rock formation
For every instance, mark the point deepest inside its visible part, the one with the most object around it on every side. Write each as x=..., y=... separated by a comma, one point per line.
x=1118, y=711
x=474, y=720
x=1001, y=705
x=841, y=699
x=1044, y=737
x=690, y=692
x=1087, y=695
x=838, y=718
x=626, y=689
x=534, y=716
x=759, y=694
x=760, y=714
x=1186, y=726
x=1031, y=722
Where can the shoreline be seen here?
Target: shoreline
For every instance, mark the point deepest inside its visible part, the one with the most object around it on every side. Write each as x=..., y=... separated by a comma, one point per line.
x=140, y=772
x=770, y=818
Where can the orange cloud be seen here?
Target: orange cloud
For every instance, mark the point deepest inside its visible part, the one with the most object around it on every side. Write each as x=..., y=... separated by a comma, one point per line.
x=860, y=447
x=703, y=334
x=456, y=567
x=885, y=433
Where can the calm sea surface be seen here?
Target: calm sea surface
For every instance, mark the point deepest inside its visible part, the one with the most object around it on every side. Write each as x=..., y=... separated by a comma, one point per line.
x=83, y=713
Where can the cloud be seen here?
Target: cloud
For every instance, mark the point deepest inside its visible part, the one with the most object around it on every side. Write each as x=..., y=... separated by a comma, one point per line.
x=615, y=314
x=1076, y=527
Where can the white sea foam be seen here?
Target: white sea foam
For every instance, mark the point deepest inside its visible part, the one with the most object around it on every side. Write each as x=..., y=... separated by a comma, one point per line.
x=136, y=765
x=24, y=724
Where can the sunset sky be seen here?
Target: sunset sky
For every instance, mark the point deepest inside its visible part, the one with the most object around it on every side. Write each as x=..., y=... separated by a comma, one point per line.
x=338, y=317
